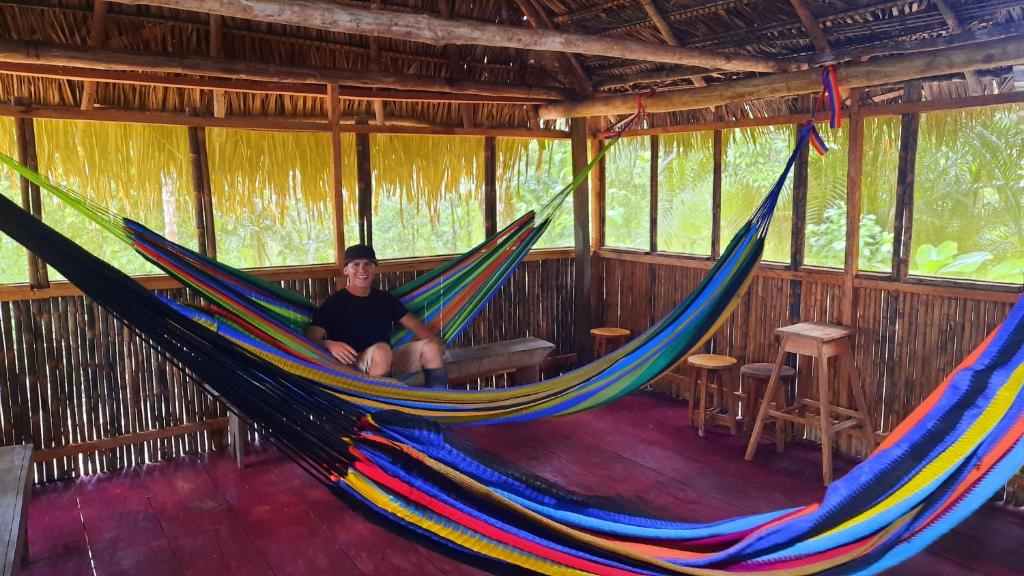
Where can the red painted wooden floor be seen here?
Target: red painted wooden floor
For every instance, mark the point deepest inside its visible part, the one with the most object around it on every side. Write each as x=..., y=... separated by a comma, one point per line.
x=201, y=515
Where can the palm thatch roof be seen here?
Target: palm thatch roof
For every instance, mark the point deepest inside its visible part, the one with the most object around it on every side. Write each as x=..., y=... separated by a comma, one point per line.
x=766, y=28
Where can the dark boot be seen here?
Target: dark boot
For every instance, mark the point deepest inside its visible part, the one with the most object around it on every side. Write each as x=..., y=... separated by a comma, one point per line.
x=435, y=378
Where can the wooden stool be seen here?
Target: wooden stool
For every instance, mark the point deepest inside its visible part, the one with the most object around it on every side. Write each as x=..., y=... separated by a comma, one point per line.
x=708, y=365
x=757, y=376
x=821, y=342
x=607, y=339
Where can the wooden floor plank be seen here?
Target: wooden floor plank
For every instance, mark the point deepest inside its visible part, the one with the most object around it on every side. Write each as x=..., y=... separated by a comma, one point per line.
x=201, y=515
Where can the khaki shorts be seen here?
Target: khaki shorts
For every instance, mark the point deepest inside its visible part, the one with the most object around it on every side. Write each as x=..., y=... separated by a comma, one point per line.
x=404, y=360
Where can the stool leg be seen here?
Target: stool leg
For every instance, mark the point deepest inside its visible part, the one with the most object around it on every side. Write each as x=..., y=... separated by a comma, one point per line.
x=826, y=419
x=703, y=400
x=781, y=426
x=755, y=434
x=729, y=400
x=858, y=395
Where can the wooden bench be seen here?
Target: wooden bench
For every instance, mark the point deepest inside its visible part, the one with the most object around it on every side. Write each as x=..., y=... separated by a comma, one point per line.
x=15, y=491
x=522, y=357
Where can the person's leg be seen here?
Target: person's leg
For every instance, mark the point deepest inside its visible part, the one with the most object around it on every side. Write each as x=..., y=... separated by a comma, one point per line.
x=431, y=358
x=375, y=360
x=422, y=354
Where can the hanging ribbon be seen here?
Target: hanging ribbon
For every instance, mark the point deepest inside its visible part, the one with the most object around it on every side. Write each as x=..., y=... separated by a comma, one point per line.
x=829, y=96
x=634, y=119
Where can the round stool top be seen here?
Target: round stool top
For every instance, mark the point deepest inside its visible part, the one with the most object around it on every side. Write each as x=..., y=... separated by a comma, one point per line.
x=609, y=332
x=710, y=361
x=764, y=370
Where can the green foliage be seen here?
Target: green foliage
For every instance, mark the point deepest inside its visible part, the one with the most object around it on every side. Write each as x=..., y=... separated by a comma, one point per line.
x=969, y=194
x=628, y=194
x=878, y=188
x=685, y=181
x=754, y=158
x=826, y=200
x=826, y=240
x=530, y=172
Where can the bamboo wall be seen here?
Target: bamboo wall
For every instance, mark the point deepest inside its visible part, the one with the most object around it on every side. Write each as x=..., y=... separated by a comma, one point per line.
x=908, y=336
x=73, y=374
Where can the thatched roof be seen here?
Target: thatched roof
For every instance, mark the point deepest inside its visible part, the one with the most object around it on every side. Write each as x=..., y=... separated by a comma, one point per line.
x=770, y=28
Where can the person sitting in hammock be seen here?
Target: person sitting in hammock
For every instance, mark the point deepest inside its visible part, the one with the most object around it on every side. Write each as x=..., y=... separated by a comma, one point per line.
x=354, y=324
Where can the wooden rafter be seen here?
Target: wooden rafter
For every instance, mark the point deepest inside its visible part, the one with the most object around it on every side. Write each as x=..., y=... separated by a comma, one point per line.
x=694, y=75
x=579, y=80
x=18, y=52
x=909, y=46
x=973, y=84
x=220, y=101
x=456, y=70
x=668, y=34
x=435, y=30
x=894, y=69
x=811, y=26
x=96, y=33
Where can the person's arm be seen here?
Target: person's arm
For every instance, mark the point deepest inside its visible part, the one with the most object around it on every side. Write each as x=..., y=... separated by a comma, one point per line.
x=340, y=350
x=417, y=327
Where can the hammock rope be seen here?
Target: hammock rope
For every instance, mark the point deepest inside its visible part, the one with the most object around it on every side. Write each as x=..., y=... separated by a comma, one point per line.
x=937, y=467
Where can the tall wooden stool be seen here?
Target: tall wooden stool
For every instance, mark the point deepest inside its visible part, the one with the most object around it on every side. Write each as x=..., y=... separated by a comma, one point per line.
x=607, y=339
x=753, y=381
x=821, y=342
x=708, y=365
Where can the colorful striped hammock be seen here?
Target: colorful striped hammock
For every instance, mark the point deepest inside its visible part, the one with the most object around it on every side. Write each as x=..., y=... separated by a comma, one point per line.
x=938, y=466
x=266, y=333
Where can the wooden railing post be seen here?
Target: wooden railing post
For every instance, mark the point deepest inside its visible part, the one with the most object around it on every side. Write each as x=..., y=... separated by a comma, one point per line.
x=364, y=187
x=854, y=177
x=904, y=217
x=655, y=154
x=337, y=193
x=202, y=191
x=716, y=195
x=490, y=186
x=581, y=229
x=31, y=200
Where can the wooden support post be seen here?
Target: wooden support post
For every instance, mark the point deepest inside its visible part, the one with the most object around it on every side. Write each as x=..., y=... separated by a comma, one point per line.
x=220, y=101
x=202, y=191
x=364, y=187
x=337, y=193
x=854, y=177
x=96, y=33
x=716, y=196
x=904, y=215
x=597, y=183
x=31, y=200
x=581, y=228
x=800, y=185
x=655, y=153
x=490, y=186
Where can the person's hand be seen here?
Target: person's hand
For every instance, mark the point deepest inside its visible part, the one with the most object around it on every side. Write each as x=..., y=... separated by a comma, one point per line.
x=342, y=351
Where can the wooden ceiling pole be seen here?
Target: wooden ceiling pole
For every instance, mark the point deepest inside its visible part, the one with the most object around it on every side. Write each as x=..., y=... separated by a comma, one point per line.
x=19, y=52
x=456, y=70
x=973, y=84
x=337, y=191
x=894, y=69
x=666, y=32
x=579, y=80
x=96, y=34
x=811, y=25
x=429, y=29
x=376, y=65
x=220, y=101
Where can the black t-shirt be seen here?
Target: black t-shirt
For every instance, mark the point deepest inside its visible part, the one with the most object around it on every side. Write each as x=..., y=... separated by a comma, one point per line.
x=359, y=321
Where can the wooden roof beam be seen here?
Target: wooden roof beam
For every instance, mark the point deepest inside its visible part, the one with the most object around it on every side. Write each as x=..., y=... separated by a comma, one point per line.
x=252, y=86
x=579, y=80
x=96, y=33
x=429, y=29
x=973, y=84
x=668, y=34
x=19, y=52
x=992, y=54
x=811, y=26
x=668, y=75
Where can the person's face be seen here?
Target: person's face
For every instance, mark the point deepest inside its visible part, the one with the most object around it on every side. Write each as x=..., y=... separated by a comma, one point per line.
x=360, y=272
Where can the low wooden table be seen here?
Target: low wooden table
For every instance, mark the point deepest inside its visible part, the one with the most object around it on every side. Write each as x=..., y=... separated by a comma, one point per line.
x=15, y=492
x=821, y=342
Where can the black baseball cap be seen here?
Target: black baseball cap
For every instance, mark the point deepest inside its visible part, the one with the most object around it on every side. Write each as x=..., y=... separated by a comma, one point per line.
x=360, y=252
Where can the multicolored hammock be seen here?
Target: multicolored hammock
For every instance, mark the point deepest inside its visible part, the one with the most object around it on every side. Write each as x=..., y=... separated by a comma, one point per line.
x=937, y=467
x=268, y=335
